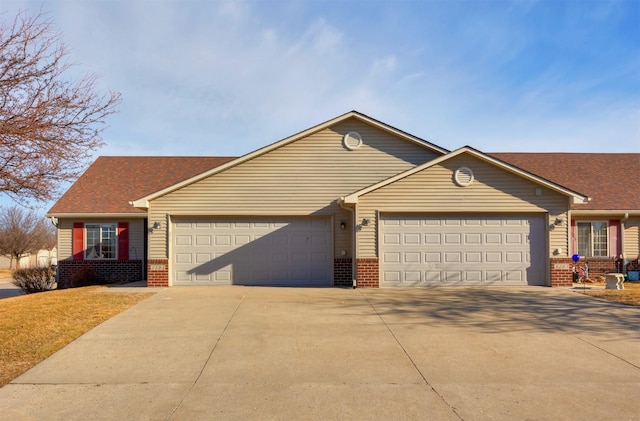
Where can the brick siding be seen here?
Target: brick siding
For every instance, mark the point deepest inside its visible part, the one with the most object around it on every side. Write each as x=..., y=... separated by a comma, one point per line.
x=342, y=272
x=562, y=268
x=368, y=272
x=599, y=265
x=158, y=273
x=101, y=271
x=561, y=272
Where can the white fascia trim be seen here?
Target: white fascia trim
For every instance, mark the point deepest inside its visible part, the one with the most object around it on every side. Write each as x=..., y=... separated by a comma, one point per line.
x=595, y=212
x=140, y=204
x=143, y=202
x=250, y=213
x=96, y=215
x=575, y=196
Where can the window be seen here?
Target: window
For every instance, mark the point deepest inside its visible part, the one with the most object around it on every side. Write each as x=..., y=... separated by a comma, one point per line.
x=101, y=241
x=592, y=239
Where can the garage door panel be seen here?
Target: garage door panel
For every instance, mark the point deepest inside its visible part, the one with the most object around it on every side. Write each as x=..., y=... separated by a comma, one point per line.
x=452, y=276
x=203, y=277
x=514, y=258
x=493, y=275
x=183, y=258
x=412, y=257
x=203, y=240
x=432, y=239
x=389, y=257
x=268, y=251
x=391, y=276
x=474, y=238
x=473, y=257
x=433, y=277
x=480, y=249
x=515, y=239
x=412, y=276
x=473, y=276
x=493, y=238
x=183, y=240
x=392, y=239
x=432, y=257
x=202, y=257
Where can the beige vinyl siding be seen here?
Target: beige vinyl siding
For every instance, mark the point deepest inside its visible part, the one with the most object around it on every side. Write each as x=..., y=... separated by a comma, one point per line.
x=632, y=238
x=136, y=236
x=304, y=177
x=434, y=191
x=65, y=239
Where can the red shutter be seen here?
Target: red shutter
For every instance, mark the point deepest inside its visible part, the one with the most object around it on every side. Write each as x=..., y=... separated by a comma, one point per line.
x=615, y=249
x=78, y=241
x=123, y=240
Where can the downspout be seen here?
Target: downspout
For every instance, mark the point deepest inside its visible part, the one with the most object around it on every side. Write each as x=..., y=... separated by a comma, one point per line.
x=622, y=221
x=354, y=266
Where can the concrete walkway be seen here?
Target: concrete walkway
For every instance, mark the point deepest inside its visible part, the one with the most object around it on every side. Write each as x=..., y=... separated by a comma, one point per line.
x=296, y=353
x=7, y=289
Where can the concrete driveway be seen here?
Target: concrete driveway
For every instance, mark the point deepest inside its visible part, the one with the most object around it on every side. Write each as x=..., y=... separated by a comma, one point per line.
x=296, y=353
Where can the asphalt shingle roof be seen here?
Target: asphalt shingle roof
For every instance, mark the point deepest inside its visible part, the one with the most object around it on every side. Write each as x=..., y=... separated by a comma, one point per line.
x=107, y=186
x=111, y=182
x=611, y=180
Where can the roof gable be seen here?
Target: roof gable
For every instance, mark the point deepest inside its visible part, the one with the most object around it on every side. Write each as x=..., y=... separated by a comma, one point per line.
x=577, y=197
x=111, y=182
x=610, y=179
x=143, y=201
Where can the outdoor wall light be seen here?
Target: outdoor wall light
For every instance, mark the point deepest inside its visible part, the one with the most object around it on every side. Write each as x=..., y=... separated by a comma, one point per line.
x=156, y=225
x=365, y=222
x=343, y=225
x=559, y=221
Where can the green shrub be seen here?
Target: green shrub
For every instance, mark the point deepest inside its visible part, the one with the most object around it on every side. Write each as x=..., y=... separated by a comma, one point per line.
x=35, y=279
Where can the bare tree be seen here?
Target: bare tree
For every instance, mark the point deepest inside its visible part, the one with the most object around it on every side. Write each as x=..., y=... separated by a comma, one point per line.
x=23, y=232
x=49, y=124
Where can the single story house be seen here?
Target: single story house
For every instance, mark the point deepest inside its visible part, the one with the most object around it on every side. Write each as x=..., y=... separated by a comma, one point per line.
x=351, y=201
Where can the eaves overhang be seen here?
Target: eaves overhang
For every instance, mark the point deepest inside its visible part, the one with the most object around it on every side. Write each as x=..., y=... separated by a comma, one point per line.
x=143, y=202
x=137, y=215
x=605, y=212
x=576, y=197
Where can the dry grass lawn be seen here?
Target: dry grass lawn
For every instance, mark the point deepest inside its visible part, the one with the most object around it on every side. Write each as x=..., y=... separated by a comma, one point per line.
x=5, y=273
x=34, y=326
x=630, y=295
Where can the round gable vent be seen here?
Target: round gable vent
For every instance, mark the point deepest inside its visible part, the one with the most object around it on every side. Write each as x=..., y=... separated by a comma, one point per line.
x=463, y=176
x=352, y=140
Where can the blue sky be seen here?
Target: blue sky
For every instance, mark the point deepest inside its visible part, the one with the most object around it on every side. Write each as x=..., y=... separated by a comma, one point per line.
x=227, y=77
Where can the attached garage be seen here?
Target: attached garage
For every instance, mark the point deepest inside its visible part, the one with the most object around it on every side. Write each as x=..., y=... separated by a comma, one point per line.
x=291, y=251
x=425, y=250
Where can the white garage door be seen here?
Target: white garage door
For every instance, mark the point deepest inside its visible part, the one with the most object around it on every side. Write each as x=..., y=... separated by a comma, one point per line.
x=266, y=251
x=462, y=250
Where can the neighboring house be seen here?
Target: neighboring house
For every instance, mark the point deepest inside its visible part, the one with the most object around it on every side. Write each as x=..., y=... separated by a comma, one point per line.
x=350, y=199
x=42, y=258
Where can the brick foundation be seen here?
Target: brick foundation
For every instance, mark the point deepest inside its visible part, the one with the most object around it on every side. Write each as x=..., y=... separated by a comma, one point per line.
x=561, y=272
x=158, y=273
x=598, y=265
x=368, y=272
x=343, y=272
x=562, y=269
x=100, y=271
